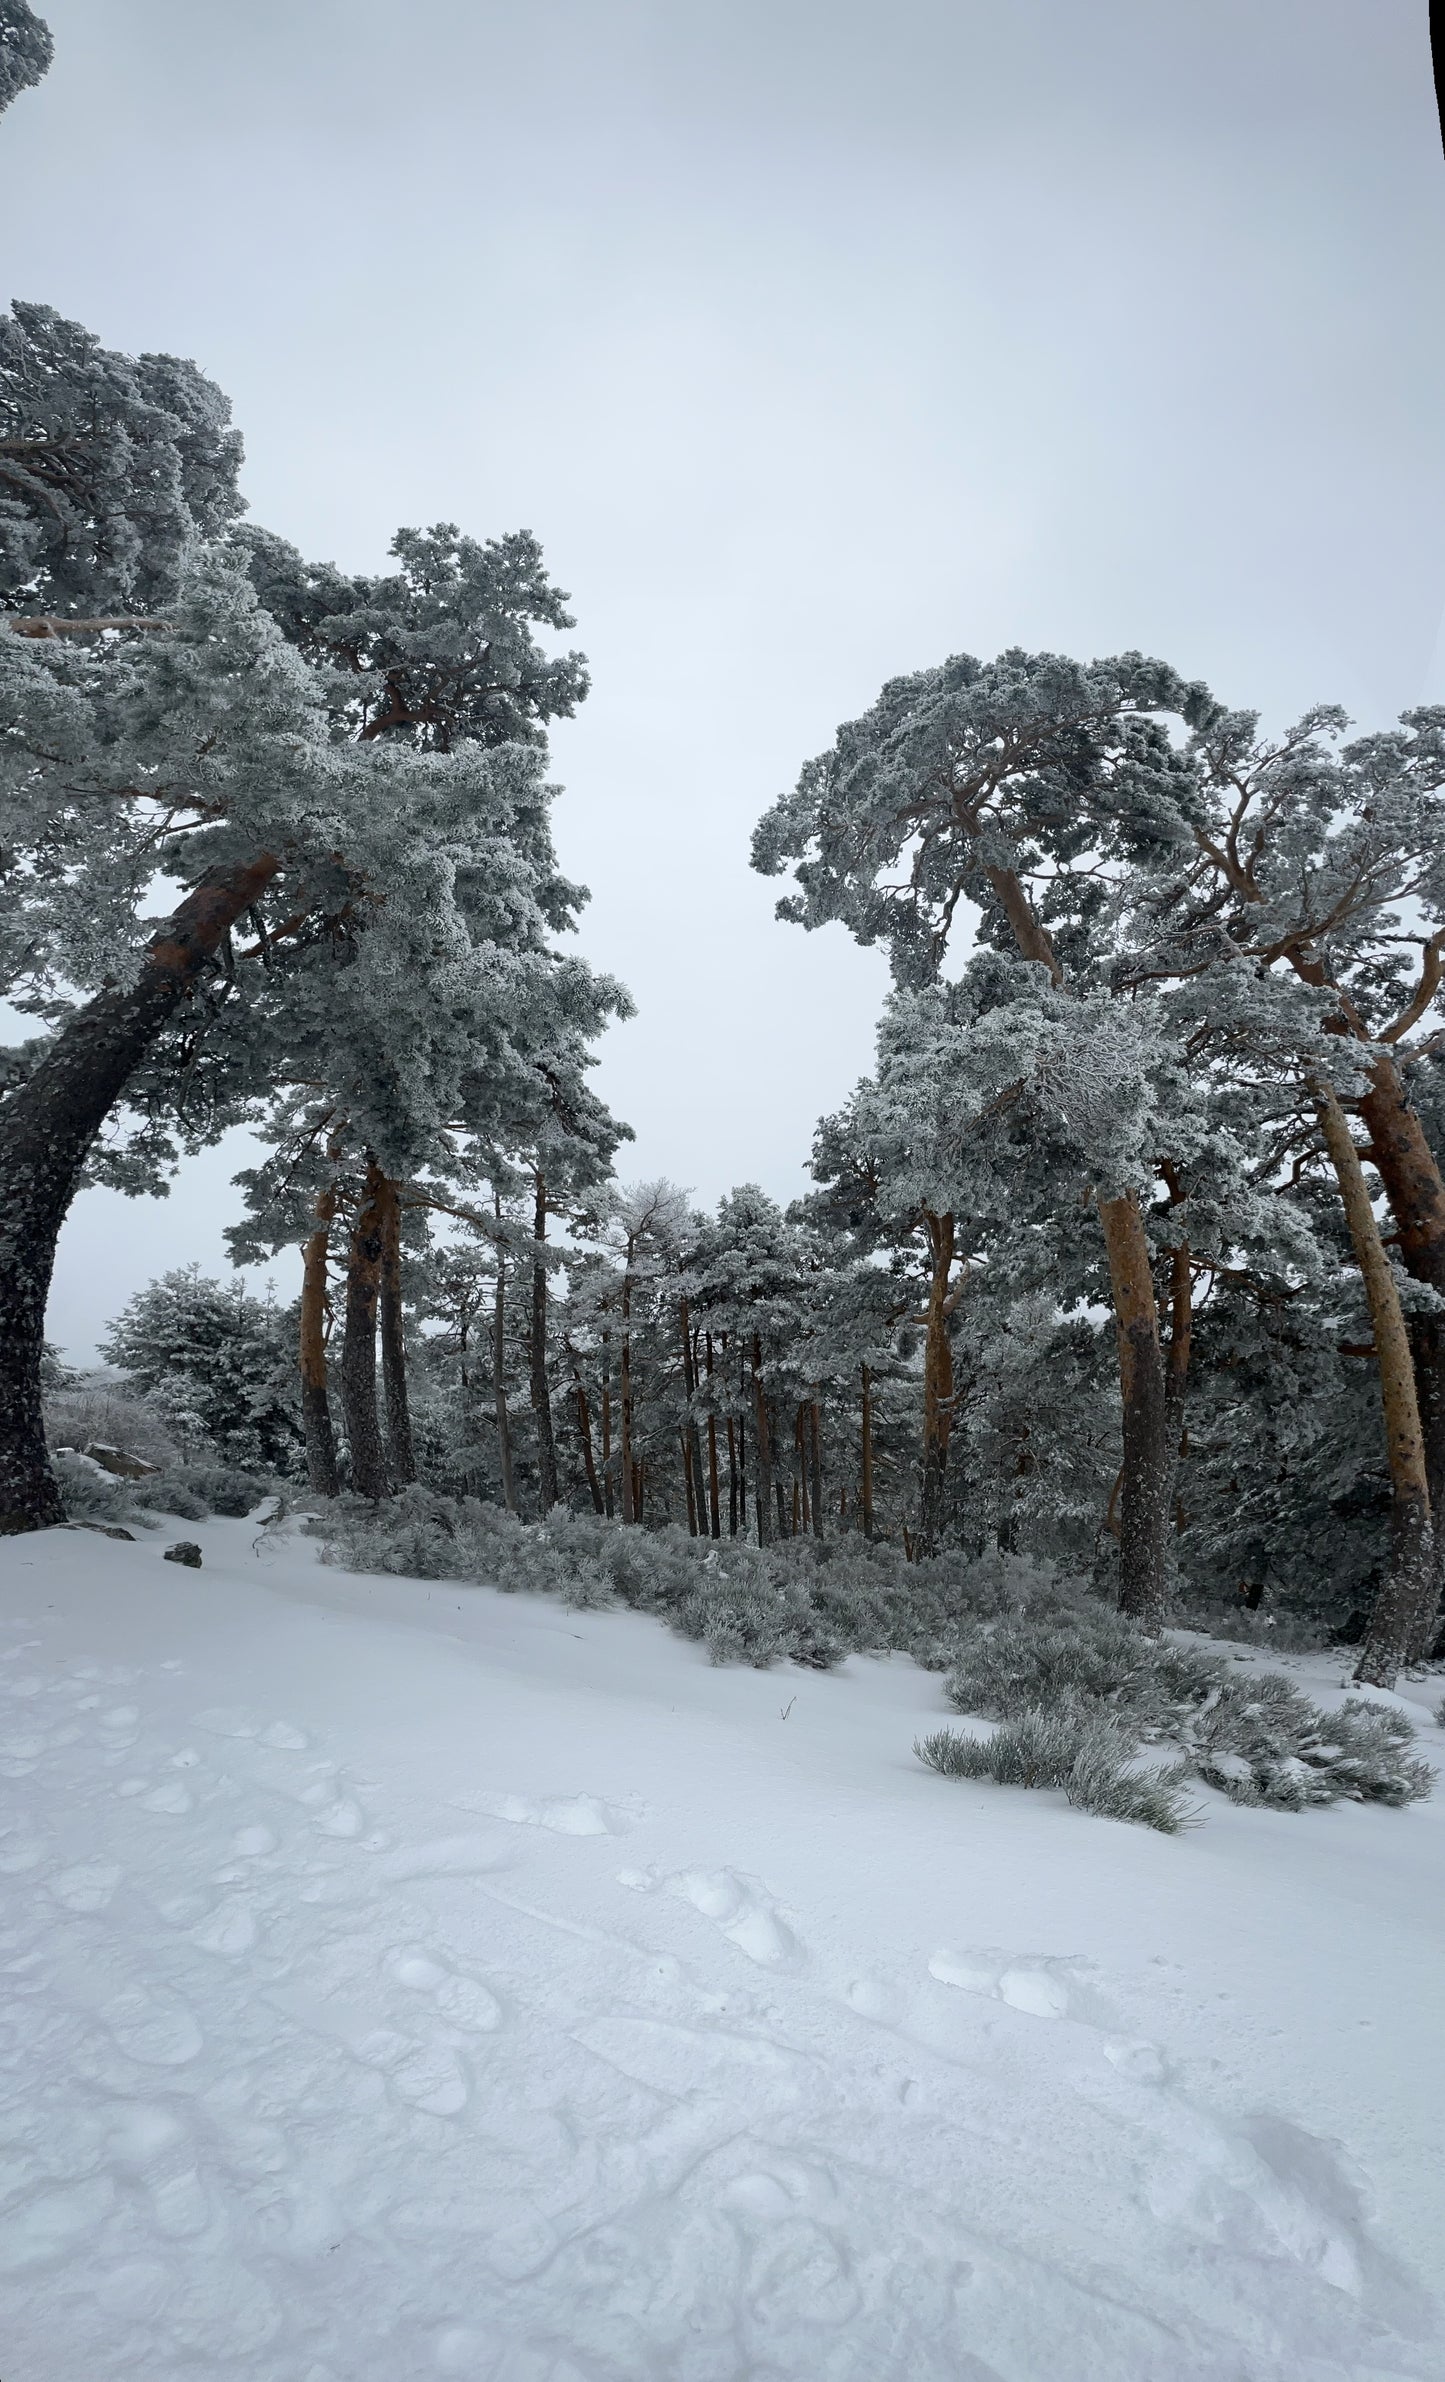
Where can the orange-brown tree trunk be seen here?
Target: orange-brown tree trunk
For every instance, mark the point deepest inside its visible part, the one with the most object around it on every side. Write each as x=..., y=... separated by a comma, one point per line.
x=1408, y=1588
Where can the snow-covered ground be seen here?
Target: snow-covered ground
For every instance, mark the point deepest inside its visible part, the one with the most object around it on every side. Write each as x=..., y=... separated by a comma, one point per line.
x=407, y=1980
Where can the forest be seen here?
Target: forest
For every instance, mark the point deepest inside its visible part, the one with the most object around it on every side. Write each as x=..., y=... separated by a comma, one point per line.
x=1128, y=1254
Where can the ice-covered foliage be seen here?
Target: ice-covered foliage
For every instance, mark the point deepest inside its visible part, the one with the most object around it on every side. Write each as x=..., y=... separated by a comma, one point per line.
x=810, y=1601
x=215, y=1363
x=1250, y=1733
x=1071, y=1746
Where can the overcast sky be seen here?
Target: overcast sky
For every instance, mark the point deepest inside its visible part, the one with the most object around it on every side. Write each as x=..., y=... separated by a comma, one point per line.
x=815, y=341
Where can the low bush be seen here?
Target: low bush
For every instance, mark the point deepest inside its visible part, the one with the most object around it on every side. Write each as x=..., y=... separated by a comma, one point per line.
x=812, y=1600
x=1254, y=1735
x=1084, y=1752
x=189, y=1491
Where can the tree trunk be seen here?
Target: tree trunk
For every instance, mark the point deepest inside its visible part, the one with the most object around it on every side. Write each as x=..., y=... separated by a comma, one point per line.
x=1176, y=1367
x=803, y=1500
x=815, y=1460
x=1144, y=1493
x=763, y=1457
x=866, y=1488
x=401, y=1454
x=499, y=1380
x=732, y=1479
x=937, y=1379
x=693, y=1530
x=691, y=1441
x=321, y=1468
x=358, y=1356
x=541, y=1393
x=629, y=1495
x=1409, y=1583
x=1145, y=1503
x=46, y=1130
x=1407, y=1167
x=714, y=1515
x=584, y=1427
x=607, y=1423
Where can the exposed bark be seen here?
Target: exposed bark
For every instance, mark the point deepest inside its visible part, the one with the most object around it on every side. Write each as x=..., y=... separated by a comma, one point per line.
x=607, y=1422
x=714, y=1515
x=732, y=1479
x=1144, y=1495
x=1408, y=1587
x=815, y=1466
x=541, y=1392
x=629, y=1492
x=358, y=1356
x=866, y=1489
x=937, y=1378
x=46, y=1129
x=401, y=1453
x=763, y=1458
x=321, y=1467
x=499, y=1378
x=691, y=1442
x=687, y=1482
x=1407, y=1168
x=584, y=1429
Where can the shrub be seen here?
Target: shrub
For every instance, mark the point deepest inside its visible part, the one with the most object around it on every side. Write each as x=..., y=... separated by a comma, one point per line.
x=809, y=1600
x=113, y=1417
x=1254, y=1736
x=1068, y=1746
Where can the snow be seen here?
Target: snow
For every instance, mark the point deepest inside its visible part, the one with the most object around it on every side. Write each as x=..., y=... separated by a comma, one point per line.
x=408, y=1980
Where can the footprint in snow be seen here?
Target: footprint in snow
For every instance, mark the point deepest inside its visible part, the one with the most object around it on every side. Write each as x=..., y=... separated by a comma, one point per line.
x=736, y=1904
x=564, y=1815
x=463, y=2000
x=156, y=2029
x=88, y=1886
x=1043, y=1988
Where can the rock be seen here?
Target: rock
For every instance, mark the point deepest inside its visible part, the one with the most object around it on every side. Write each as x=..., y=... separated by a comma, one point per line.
x=118, y=1460
x=106, y=1529
x=185, y=1550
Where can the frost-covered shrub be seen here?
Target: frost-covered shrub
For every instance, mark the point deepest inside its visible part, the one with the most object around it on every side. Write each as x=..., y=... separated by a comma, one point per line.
x=809, y=1600
x=1254, y=1735
x=111, y=1417
x=209, y=1488
x=87, y=1492
x=1069, y=1746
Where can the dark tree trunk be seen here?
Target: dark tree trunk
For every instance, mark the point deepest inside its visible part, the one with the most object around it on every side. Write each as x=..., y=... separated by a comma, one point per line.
x=358, y=1355
x=607, y=1424
x=46, y=1130
x=815, y=1460
x=763, y=1457
x=1147, y=1471
x=937, y=1378
x=401, y=1453
x=866, y=1487
x=629, y=1492
x=584, y=1427
x=691, y=1442
x=321, y=1468
x=714, y=1514
x=732, y=1479
x=541, y=1392
x=499, y=1377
